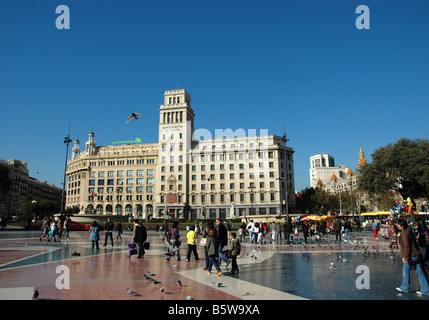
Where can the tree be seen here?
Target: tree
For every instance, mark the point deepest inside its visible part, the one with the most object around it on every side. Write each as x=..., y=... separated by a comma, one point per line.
x=41, y=208
x=402, y=167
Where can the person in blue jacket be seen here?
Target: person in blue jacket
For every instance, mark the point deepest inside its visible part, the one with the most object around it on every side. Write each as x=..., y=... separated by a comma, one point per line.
x=94, y=235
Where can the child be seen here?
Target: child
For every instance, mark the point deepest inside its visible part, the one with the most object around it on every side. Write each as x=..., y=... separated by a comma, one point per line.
x=234, y=249
x=192, y=243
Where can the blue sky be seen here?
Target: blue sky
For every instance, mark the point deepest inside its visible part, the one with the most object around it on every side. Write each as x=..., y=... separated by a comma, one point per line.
x=247, y=64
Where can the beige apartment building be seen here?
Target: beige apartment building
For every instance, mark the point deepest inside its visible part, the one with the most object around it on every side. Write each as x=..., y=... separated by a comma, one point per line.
x=188, y=174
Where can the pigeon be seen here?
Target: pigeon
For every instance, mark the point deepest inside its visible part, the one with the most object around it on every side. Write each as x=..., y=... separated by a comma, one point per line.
x=35, y=294
x=77, y=254
x=132, y=293
x=151, y=274
x=188, y=297
x=162, y=290
x=179, y=283
x=217, y=284
x=133, y=115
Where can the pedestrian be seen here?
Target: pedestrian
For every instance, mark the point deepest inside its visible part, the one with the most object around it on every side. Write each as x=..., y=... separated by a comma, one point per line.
x=139, y=237
x=53, y=231
x=273, y=231
x=212, y=252
x=192, y=237
x=206, y=231
x=60, y=227
x=240, y=233
x=94, y=235
x=118, y=229
x=108, y=228
x=67, y=228
x=358, y=226
x=250, y=230
x=256, y=232
x=348, y=229
x=173, y=239
x=45, y=229
x=165, y=229
x=305, y=231
x=411, y=257
x=222, y=238
x=234, y=251
x=374, y=228
x=288, y=231
x=279, y=231
x=423, y=240
x=337, y=229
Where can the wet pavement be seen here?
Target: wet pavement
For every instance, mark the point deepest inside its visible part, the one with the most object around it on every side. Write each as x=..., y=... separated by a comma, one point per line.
x=362, y=269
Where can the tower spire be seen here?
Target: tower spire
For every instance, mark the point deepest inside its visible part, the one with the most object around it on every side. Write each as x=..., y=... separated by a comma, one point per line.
x=362, y=159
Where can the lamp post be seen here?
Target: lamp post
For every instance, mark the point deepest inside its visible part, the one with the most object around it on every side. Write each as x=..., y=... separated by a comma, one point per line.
x=251, y=199
x=350, y=174
x=285, y=202
x=334, y=180
x=67, y=140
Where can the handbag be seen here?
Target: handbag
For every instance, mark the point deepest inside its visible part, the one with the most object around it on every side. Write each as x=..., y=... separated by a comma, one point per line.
x=146, y=245
x=132, y=249
x=203, y=242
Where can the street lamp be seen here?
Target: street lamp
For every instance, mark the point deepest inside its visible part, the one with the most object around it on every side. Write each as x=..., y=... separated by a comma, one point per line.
x=350, y=174
x=67, y=140
x=334, y=179
x=285, y=202
x=251, y=199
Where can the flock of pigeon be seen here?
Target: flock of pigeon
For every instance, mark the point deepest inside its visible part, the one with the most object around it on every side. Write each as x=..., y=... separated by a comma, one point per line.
x=149, y=276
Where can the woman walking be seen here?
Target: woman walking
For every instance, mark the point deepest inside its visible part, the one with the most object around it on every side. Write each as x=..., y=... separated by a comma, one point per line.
x=212, y=252
x=209, y=226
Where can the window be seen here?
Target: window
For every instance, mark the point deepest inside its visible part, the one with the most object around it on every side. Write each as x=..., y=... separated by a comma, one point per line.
x=140, y=173
x=150, y=172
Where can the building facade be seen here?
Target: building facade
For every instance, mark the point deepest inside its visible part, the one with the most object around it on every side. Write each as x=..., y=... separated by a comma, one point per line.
x=187, y=174
x=24, y=188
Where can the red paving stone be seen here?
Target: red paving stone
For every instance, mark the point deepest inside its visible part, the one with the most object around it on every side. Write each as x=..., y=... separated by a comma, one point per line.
x=106, y=276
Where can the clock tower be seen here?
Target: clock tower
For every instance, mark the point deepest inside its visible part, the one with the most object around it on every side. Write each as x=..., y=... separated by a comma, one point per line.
x=176, y=127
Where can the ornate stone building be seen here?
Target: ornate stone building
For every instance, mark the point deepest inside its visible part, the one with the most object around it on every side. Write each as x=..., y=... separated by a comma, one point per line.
x=187, y=174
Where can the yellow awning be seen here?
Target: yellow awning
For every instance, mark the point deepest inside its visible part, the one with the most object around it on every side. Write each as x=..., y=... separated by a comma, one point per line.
x=377, y=213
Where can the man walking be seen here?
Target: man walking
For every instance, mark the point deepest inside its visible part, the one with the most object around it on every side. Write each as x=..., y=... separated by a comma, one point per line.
x=108, y=228
x=222, y=236
x=288, y=230
x=337, y=229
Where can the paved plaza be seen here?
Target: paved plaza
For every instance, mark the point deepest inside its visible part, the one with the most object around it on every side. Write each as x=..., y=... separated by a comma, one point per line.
x=362, y=269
